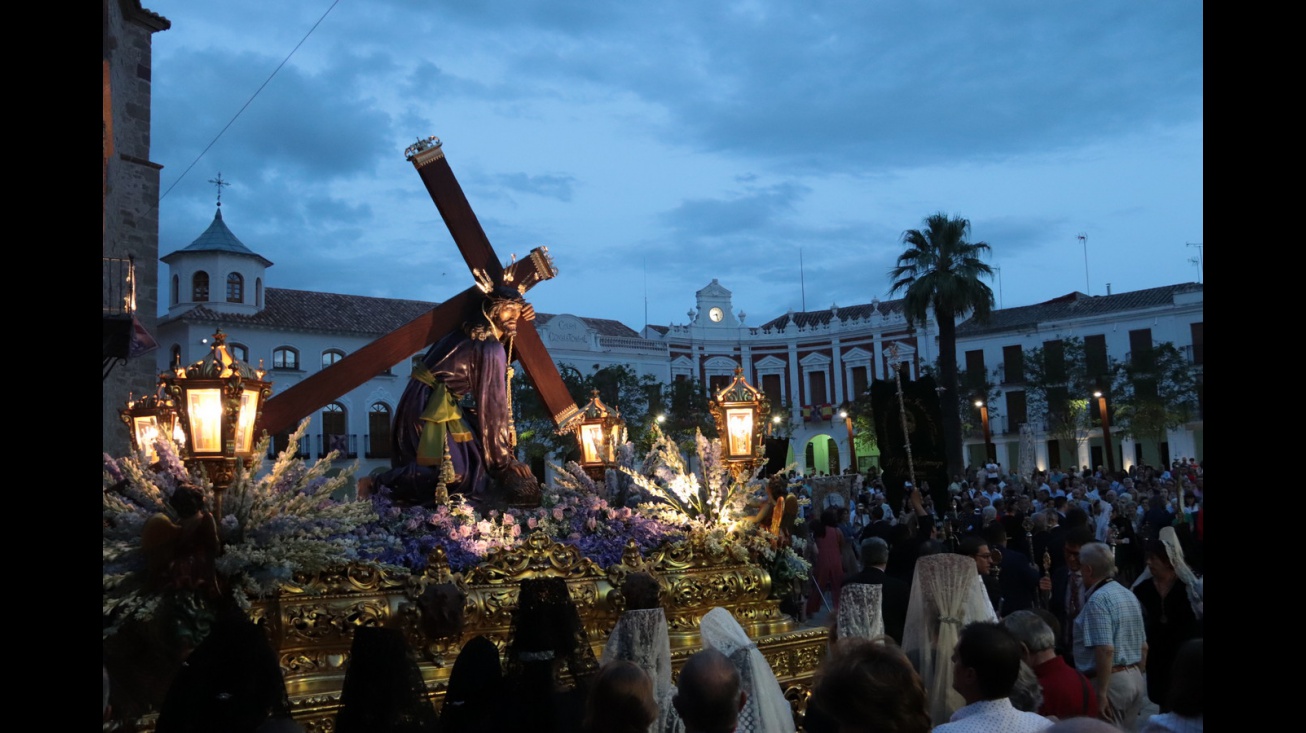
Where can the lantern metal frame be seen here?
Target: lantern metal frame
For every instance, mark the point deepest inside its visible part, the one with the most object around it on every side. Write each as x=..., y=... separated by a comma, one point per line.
x=156, y=413
x=742, y=414
x=218, y=400
x=599, y=430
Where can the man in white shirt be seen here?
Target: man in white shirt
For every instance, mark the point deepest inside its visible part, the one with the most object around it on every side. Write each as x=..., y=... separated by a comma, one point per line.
x=985, y=666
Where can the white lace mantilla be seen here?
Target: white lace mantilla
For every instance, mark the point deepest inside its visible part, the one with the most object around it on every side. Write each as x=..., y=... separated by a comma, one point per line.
x=947, y=594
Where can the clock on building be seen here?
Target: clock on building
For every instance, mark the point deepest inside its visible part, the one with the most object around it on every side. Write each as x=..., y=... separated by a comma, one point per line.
x=716, y=315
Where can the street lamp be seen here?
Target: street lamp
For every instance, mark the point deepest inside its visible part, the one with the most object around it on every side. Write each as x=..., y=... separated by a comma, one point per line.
x=852, y=446
x=1106, y=431
x=741, y=413
x=990, y=451
x=218, y=399
x=599, y=432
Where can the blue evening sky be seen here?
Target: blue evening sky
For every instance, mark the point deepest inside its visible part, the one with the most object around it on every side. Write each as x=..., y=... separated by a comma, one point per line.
x=656, y=146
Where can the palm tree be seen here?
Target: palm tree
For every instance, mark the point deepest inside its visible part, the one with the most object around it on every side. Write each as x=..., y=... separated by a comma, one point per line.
x=941, y=271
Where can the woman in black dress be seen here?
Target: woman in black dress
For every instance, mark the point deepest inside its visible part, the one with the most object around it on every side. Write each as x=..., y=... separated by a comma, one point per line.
x=1172, y=611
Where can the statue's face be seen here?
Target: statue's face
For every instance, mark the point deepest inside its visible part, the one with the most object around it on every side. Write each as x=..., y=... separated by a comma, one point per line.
x=506, y=316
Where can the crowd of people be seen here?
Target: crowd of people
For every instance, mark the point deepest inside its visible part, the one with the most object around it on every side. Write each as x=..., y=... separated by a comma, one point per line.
x=1064, y=602
x=1093, y=578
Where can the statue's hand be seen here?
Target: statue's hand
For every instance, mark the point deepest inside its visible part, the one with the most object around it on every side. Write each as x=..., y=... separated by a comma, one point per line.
x=514, y=467
x=528, y=313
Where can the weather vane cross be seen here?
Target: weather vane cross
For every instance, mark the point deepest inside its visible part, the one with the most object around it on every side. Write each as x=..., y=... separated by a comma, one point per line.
x=219, y=183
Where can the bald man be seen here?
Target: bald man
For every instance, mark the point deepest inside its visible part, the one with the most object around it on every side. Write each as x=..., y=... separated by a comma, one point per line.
x=709, y=694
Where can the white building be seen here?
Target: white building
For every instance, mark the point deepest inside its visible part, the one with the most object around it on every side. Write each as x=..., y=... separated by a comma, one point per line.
x=808, y=363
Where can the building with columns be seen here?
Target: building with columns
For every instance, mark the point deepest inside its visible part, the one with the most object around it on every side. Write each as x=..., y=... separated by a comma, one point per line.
x=808, y=363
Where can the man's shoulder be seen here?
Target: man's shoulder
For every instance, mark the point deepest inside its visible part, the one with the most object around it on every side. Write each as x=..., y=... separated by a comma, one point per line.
x=989, y=715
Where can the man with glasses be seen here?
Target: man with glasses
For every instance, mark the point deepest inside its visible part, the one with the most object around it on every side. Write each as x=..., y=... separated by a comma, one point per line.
x=977, y=548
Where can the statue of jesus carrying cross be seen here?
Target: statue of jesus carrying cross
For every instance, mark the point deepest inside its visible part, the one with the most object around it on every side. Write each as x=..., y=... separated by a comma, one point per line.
x=457, y=400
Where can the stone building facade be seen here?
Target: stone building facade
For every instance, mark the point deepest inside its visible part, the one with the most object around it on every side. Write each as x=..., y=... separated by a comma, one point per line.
x=131, y=199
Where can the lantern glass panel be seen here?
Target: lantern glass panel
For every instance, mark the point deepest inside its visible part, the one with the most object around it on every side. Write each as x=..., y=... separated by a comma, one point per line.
x=591, y=443
x=739, y=425
x=147, y=431
x=616, y=441
x=245, y=423
x=204, y=406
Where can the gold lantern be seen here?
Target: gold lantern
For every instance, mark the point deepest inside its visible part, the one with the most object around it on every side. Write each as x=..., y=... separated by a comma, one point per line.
x=218, y=400
x=149, y=417
x=741, y=413
x=600, y=430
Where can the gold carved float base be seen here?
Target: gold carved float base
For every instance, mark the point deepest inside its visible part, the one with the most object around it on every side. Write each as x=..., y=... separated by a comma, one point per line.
x=311, y=624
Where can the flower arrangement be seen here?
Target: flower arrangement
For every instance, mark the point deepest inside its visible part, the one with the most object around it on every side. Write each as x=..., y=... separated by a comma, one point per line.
x=276, y=526
x=572, y=511
x=709, y=499
x=286, y=522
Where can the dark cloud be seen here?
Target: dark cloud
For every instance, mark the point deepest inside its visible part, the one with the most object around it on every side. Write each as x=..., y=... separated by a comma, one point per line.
x=704, y=139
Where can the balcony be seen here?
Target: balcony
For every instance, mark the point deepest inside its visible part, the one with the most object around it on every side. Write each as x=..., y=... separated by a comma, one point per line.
x=1003, y=380
x=346, y=444
x=1193, y=353
x=278, y=444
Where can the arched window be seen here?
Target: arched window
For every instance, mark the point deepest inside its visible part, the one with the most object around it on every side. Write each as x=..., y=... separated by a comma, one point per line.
x=285, y=358
x=378, y=431
x=258, y=292
x=235, y=288
x=331, y=356
x=175, y=356
x=239, y=351
x=335, y=434
x=176, y=289
x=199, y=287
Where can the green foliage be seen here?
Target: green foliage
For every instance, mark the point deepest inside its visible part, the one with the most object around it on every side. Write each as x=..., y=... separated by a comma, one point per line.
x=688, y=412
x=1154, y=392
x=941, y=271
x=971, y=385
x=537, y=434
x=619, y=387
x=1059, y=387
x=863, y=418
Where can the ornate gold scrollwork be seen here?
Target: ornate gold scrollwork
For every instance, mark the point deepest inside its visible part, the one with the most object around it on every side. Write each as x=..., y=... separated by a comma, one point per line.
x=312, y=621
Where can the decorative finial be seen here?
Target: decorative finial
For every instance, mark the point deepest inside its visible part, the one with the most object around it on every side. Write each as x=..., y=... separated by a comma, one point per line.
x=219, y=183
x=421, y=144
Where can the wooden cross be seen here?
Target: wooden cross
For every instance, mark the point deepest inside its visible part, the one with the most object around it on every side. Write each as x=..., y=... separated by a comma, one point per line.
x=285, y=410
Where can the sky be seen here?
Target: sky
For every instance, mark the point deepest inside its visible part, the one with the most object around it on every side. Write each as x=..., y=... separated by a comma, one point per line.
x=781, y=148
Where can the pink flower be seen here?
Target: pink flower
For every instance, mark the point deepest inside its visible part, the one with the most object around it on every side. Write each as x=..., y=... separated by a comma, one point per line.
x=465, y=531
x=509, y=520
x=574, y=536
x=516, y=529
x=591, y=523
x=557, y=513
x=532, y=522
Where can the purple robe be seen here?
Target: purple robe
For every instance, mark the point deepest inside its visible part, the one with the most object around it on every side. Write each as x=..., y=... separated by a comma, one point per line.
x=465, y=366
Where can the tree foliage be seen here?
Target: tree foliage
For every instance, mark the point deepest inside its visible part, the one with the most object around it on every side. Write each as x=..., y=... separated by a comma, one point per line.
x=1153, y=392
x=941, y=271
x=1059, y=387
x=638, y=398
